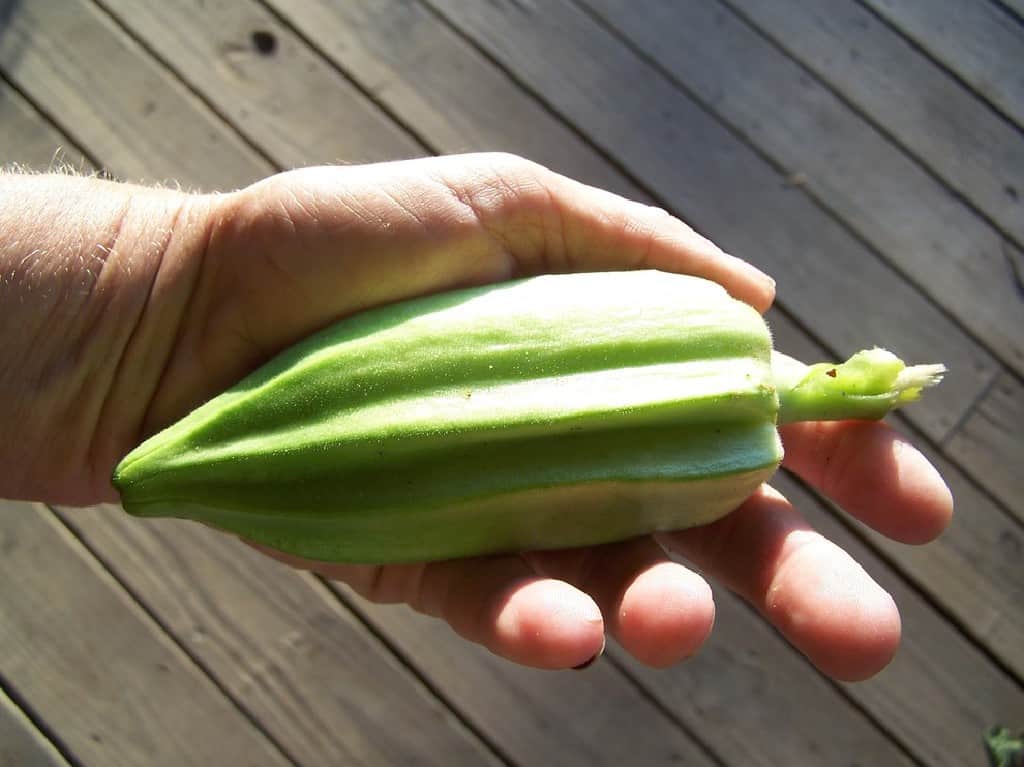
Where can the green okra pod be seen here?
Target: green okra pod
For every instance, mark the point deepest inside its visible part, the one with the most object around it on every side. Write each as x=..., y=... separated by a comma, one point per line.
x=547, y=412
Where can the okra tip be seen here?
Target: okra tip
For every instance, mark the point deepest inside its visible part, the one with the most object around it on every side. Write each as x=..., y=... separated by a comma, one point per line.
x=867, y=386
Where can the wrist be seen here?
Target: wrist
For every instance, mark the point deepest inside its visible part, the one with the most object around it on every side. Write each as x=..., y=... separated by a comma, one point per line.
x=96, y=278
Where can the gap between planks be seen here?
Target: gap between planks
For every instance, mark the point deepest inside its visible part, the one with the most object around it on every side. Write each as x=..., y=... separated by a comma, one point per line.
x=1007, y=106
x=25, y=739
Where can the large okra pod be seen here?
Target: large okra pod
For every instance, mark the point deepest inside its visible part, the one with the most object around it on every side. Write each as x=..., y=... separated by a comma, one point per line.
x=549, y=412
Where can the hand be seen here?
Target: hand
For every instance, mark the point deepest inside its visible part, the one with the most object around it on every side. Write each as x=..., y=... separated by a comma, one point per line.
x=290, y=254
x=301, y=249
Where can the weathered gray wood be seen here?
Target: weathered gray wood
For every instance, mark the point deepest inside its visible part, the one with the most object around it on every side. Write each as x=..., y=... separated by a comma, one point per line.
x=432, y=80
x=280, y=644
x=114, y=100
x=1016, y=6
x=29, y=142
x=979, y=41
x=268, y=82
x=701, y=170
x=416, y=627
x=931, y=114
x=911, y=218
x=973, y=570
x=97, y=669
x=21, y=744
x=990, y=443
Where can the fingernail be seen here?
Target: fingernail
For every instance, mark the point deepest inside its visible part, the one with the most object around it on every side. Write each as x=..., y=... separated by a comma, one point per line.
x=590, y=662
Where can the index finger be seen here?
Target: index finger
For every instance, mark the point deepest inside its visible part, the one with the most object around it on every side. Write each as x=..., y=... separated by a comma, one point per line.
x=550, y=222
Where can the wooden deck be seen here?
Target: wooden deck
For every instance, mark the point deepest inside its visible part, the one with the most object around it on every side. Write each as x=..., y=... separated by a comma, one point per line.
x=869, y=154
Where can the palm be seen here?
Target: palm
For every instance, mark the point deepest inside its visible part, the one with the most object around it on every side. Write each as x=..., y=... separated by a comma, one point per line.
x=303, y=249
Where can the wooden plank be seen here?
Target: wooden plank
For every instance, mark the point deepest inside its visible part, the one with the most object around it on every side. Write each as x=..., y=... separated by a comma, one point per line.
x=430, y=78
x=21, y=744
x=28, y=141
x=262, y=77
x=97, y=669
x=973, y=570
x=978, y=41
x=956, y=257
x=931, y=114
x=704, y=172
x=1015, y=6
x=497, y=714
x=124, y=104
x=280, y=644
x=989, y=444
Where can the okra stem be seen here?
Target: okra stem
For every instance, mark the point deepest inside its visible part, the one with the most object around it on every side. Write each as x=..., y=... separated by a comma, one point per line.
x=865, y=387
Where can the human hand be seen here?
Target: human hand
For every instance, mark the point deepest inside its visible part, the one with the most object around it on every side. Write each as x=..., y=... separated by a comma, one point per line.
x=290, y=254
x=319, y=244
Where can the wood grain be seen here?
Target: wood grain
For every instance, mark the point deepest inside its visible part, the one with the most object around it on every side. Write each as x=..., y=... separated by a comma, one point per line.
x=110, y=97
x=430, y=78
x=97, y=669
x=980, y=43
x=21, y=744
x=929, y=112
x=273, y=88
x=911, y=218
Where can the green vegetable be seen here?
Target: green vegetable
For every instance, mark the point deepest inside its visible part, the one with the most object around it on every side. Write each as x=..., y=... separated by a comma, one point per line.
x=548, y=412
x=1004, y=749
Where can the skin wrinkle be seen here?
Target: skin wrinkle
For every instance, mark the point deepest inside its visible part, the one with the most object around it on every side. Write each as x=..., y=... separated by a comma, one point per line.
x=467, y=203
x=93, y=457
x=512, y=199
x=530, y=193
x=145, y=425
